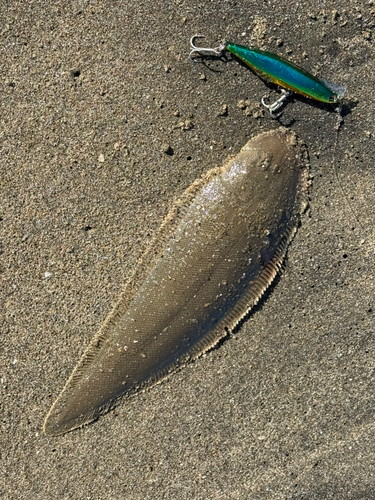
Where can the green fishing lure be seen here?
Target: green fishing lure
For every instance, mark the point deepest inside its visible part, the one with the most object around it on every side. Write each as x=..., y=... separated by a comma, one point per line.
x=275, y=69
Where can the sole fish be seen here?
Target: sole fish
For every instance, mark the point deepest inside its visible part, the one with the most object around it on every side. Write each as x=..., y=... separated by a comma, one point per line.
x=212, y=259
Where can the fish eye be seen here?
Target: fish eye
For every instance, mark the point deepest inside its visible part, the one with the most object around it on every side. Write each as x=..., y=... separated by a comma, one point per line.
x=332, y=98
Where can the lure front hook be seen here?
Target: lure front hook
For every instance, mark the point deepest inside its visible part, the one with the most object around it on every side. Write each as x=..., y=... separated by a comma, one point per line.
x=218, y=51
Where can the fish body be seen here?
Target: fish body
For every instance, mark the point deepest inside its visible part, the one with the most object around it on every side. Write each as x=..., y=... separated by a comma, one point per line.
x=215, y=254
x=275, y=69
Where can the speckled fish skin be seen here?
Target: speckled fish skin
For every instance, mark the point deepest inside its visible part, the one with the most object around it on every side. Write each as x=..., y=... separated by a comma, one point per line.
x=216, y=253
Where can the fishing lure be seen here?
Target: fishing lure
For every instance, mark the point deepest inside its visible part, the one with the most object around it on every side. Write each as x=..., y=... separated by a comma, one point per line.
x=275, y=69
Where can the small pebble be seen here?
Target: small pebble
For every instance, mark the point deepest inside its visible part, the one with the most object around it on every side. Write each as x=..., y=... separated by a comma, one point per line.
x=186, y=125
x=223, y=111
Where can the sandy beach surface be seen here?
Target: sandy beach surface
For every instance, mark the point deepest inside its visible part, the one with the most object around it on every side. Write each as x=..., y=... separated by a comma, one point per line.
x=104, y=122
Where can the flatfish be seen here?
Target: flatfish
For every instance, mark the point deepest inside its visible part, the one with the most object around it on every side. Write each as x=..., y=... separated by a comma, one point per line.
x=215, y=254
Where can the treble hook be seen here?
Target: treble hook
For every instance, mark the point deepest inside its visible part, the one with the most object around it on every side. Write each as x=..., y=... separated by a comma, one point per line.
x=216, y=52
x=277, y=104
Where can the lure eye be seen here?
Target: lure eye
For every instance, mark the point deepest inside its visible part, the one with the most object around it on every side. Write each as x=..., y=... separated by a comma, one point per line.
x=332, y=98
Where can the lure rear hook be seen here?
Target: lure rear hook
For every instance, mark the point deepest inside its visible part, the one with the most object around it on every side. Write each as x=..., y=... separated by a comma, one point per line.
x=277, y=104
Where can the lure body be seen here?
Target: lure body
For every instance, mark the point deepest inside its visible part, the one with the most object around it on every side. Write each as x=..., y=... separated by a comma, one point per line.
x=213, y=258
x=278, y=70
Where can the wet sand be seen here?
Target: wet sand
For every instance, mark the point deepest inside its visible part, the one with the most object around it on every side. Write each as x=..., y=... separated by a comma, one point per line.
x=104, y=122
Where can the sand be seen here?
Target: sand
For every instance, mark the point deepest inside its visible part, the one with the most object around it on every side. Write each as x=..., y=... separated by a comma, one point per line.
x=104, y=122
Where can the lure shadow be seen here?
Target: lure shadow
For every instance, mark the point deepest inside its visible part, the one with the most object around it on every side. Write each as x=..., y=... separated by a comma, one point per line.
x=289, y=124
x=346, y=108
x=206, y=59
